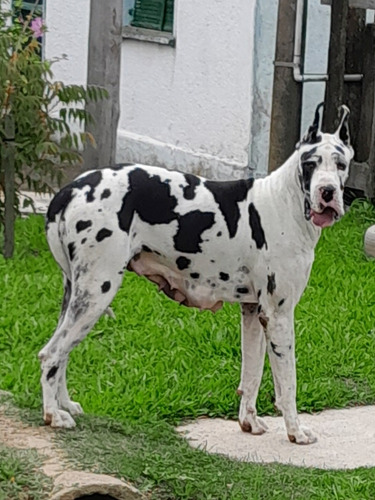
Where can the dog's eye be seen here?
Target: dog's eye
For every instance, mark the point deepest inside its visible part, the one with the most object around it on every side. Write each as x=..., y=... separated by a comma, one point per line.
x=341, y=166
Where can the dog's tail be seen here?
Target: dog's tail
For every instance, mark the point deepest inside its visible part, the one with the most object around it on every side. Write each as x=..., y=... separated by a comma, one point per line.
x=54, y=231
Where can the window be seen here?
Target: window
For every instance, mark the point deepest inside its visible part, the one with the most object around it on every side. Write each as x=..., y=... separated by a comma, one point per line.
x=35, y=7
x=152, y=14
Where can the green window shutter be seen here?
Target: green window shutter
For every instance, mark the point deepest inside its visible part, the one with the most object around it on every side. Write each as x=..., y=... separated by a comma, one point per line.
x=168, y=18
x=149, y=14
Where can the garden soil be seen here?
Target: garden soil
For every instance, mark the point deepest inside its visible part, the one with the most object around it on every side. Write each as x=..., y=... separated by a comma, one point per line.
x=68, y=483
x=346, y=440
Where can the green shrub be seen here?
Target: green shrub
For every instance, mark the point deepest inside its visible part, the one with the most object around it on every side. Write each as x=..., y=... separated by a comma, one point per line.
x=39, y=135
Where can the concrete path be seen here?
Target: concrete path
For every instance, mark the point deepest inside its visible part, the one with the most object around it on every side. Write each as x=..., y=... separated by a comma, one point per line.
x=346, y=440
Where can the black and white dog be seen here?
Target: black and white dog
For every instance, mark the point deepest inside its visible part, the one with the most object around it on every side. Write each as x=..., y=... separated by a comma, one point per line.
x=203, y=243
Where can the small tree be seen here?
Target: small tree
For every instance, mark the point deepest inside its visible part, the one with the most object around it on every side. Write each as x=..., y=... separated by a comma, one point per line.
x=38, y=117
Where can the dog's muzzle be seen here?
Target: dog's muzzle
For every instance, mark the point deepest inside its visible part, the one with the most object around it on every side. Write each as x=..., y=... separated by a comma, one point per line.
x=326, y=210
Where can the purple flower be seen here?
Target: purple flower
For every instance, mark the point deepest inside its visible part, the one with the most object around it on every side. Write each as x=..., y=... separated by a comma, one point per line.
x=37, y=26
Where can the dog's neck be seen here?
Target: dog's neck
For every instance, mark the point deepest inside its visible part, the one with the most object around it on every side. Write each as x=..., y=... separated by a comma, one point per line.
x=293, y=195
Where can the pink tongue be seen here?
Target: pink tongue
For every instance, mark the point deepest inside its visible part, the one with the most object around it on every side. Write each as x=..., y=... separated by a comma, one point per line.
x=324, y=219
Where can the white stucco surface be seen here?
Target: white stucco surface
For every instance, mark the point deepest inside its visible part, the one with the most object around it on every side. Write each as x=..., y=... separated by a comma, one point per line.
x=204, y=105
x=316, y=58
x=68, y=32
x=190, y=106
x=265, y=26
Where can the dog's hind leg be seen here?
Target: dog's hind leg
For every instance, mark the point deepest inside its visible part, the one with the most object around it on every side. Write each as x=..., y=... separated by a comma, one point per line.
x=63, y=398
x=90, y=296
x=253, y=353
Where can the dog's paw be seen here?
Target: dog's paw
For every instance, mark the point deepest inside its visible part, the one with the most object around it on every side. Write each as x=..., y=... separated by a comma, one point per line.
x=254, y=425
x=72, y=407
x=303, y=436
x=59, y=419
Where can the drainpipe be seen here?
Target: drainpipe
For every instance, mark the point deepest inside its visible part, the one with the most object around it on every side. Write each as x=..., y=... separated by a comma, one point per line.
x=299, y=34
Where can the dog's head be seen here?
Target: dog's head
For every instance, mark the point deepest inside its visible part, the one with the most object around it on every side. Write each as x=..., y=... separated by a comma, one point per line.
x=323, y=168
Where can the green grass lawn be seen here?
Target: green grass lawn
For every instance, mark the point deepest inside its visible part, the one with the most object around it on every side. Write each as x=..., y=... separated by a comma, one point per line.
x=18, y=476
x=159, y=362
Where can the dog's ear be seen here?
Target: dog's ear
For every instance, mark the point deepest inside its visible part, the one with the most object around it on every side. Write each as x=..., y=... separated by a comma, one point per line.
x=342, y=132
x=313, y=134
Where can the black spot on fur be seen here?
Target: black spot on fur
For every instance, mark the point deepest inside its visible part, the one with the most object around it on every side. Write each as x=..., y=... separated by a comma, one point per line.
x=190, y=229
x=271, y=283
x=308, y=154
x=224, y=276
x=82, y=225
x=274, y=347
x=147, y=249
x=219, y=233
x=244, y=269
x=59, y=203
x=183, y=263
x=92, y=180
x=63, y=197
x=105, y=194
x=71, y=250
x=106, y=286
x=227, y=195
x=259, y=293
x=67, y=295
x=257, y=231
x=52, y=372
x=150, y=198
x=102, y=234
x=340, y=150
x=195, y=276
x=307, y=172
x=243, y=289
x=84, y=240
x=80, y=304
x=189, y=190
x=281, y=302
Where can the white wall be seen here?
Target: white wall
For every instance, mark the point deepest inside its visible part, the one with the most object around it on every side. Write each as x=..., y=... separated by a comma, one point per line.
x=265, y=26
x=187, y=107
x=68, y=31
x=316, y=58
x=205, y=105
x=190, y=106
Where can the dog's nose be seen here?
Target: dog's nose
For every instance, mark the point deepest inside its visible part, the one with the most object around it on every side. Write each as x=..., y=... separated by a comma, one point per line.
x=327, y=193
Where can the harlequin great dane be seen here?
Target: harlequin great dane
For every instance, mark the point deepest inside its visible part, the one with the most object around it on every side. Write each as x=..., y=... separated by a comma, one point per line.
x=203, y=243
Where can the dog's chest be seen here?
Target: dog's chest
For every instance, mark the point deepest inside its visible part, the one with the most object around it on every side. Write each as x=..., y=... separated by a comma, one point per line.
x=203, y=286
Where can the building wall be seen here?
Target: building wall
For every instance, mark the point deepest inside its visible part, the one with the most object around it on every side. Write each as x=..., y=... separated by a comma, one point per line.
x=203, y=106
x=190, y=106
x=187, y=106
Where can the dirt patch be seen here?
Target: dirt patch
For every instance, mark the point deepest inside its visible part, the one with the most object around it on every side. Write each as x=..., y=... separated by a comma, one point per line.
x=69, y=484
x=346, y=440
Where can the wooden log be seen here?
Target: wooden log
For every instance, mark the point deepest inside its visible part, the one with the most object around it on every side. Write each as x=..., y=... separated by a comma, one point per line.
x=104, y=61
x=287, y=94
x=359, y=4
x=8, y=169
x=365, y=146
x=356, y=24
x=334, y=94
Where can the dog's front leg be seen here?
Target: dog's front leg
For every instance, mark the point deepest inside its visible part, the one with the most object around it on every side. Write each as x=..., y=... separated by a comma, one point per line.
x=253, y=352
x=280, y=347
